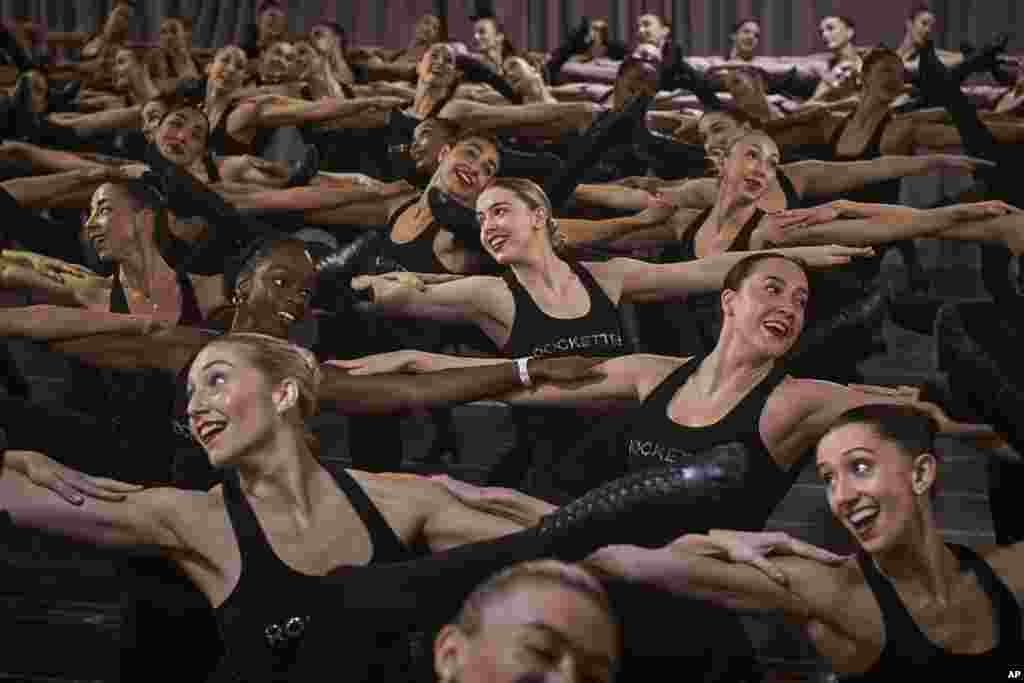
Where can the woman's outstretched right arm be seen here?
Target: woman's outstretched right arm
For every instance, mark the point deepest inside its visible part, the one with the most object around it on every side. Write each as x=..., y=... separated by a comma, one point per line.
x=143, y=520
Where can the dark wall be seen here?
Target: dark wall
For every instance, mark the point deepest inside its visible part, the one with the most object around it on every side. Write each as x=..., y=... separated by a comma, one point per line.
x=789, y=26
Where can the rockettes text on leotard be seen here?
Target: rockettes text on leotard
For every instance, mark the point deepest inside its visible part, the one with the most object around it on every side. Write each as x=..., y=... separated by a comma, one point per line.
x=601, y=340
x=651, y=452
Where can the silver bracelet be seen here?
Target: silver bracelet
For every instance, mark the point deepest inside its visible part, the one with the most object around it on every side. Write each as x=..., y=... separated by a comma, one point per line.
x=524, y=373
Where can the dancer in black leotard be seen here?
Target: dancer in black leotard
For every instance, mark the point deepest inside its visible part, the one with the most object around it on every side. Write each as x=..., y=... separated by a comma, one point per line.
x=867, y=615
x=287, y=633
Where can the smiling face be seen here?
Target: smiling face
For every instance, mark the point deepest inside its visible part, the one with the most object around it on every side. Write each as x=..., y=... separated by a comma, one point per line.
x=509, y=227
x=538, y=632
x=467, y=168
x=746, y=38
x=231, y=406
x=835, y=33
x=181, y=137
x=521, y=75
x=277, y=291
x=874, y=488
x=650, y=30
x=277, y=63
x=437, y=66
x=767, y=312
x=112, y=224
x=749, y=167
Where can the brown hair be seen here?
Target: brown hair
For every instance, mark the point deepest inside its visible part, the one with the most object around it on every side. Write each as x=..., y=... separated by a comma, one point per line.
x=745, y=267
x=907, y=426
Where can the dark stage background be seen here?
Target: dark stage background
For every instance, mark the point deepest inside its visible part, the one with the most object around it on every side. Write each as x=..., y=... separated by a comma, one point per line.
x=789, y=26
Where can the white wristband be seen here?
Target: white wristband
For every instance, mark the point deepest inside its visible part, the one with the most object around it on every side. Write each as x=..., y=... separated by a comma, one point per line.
x=524, y=373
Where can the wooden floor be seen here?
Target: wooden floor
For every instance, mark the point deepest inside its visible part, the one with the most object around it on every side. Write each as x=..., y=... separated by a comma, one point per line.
x=59, y=616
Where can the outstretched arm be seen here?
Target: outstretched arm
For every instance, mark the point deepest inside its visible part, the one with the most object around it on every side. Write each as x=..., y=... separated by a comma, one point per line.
x=643, y=281
x=972, y=222
x=823, y=178
x=45, y=322
x=143, y=520
x=397, y=393
x=692, y=566
x=166, y=349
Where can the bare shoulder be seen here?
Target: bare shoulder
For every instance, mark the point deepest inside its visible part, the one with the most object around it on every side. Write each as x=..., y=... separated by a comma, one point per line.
x=649, y=370
x=407, y=501
x=826, y=589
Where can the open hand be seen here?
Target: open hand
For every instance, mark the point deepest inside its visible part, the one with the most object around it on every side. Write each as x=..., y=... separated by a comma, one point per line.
x=379, y=363
x=71, y=485
x=495, y=500
x=47, y=266
x=829, y=255
x=743, y=547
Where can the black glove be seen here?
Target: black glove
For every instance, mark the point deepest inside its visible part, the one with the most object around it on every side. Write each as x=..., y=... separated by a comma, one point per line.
x=455, y=217
x=612, y=128
x=190, y=88
x=250, y=41
x=62, y=98
x=476, y=72
x=302, y=172
x=336, y=269
x=653, y=507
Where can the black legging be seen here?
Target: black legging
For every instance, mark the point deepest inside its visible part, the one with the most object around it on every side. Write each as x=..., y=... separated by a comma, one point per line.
x=979, y=346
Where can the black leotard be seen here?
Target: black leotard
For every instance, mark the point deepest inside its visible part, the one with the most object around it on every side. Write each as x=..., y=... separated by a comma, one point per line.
x=417, y=255
x=222, y=143
x=705, y=309
x=655, y=440
x=545, y=435
x=884, y=192
x=909, y=651
x=535, y=333
x=267, y=589
x=793, y=200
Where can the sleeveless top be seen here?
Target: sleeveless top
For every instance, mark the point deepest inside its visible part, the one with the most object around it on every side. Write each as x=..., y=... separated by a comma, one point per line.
x=275, y=615
x=885, y=192
x=793, y=200
x=417, y=255
x=655, y=440
x=907, y=649
x=141, y=402
x=535, y=333
x=705, y=310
